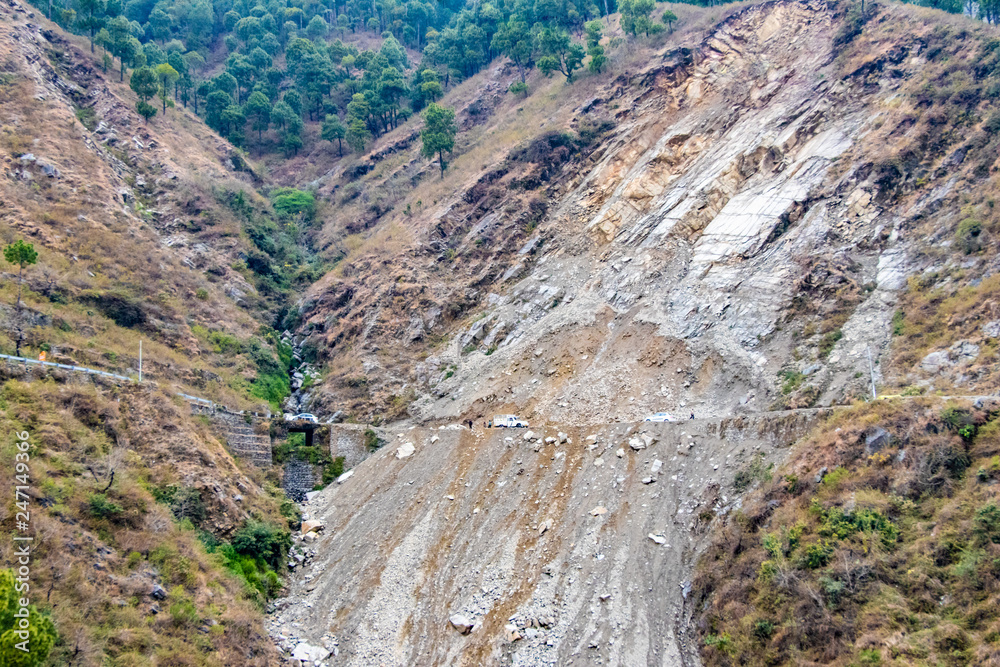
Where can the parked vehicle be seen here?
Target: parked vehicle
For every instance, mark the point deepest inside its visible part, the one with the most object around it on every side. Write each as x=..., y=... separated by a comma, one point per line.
x=508, y=421
x=306, y=417
x=659, y=417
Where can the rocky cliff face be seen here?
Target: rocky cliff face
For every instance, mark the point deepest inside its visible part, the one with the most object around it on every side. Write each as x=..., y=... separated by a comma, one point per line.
x=733, y=214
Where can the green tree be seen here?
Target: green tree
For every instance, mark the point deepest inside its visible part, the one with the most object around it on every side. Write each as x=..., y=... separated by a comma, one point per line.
x=317, y=28
x=258, y=111
x=669, y=19
x=91, y=20
x=515, y=40
x=594, y=48
x=334, y=129
x=357, y=135
x=145, y=84
x=438, y=135
x=635, y=17
x=166, y=76
x=38, y=637
x=561, y=54
x=23, y=254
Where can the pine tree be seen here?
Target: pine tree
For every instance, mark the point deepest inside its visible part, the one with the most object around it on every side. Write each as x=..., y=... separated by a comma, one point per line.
x=438, y=134
x=23, y=254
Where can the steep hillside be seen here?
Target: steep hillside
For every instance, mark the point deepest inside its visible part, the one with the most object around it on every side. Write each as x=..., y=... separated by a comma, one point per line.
x=142, y=231
x=727, y=222
x=152, y=543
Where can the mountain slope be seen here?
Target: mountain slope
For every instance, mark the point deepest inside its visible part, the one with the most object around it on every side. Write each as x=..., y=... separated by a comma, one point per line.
x=743, y=208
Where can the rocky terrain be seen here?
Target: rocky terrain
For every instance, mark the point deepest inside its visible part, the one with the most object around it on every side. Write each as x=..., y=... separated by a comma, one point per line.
x=688, y=237
x=741, y=223
x=506, y=546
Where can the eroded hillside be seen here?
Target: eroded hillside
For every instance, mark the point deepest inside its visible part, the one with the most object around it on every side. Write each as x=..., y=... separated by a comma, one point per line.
x=725, y=225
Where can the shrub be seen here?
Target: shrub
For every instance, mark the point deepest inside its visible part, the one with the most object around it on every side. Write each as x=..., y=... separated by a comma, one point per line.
x=987, y=523
x=817, y=554
x=828, y=342
x=372, y=441
x=263, y=541
x=101, y=508
x=289, y=202
x=41, y=630
x=756, y=471
x=201, y=293
x=967, y=236
x=763, y=630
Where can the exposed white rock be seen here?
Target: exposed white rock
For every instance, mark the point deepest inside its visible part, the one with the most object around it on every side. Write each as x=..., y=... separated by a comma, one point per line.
x=405, y=450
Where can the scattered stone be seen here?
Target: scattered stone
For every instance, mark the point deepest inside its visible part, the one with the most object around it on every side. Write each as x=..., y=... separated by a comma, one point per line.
x=434, y=439
x=343, y=478
x=309, y=653
x=821, y=474
x=562, y=437
x=462, y=623
x=598, y=462
x=648, y=480
x=450, y=497
x=992, y=329
x=310, y=537
x=659, y=538
x=544, y=526
x=405, y=451
x=620, y=453
x=311, y=494
x=657, y=464
x=158, y=593
x=636, y=444
x=512, y=632
x=529, y=436
x=599, y=510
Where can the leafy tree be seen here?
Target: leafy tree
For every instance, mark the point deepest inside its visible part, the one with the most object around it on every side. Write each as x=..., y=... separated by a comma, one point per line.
x=334, y=129
x=23, y=254
x=91, y=20
x=38, y=637
x=438, y=134
x=594, y=48
x=216, y=103
x=317, y=28
x=515, y=40
x=635, y=17
x=145, y=84
x=669, y=18
x=561, y=54
x=145, y=109
x=258, y=110
x=357, y=135
x=166, y=76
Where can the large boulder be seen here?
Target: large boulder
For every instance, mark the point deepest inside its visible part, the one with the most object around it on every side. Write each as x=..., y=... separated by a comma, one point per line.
x=311, y=525
x=875, y=439
x=308, y=653
x=462, y=623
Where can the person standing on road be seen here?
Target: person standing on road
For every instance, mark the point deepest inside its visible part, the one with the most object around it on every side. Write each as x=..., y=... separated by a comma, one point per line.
x=470, y=424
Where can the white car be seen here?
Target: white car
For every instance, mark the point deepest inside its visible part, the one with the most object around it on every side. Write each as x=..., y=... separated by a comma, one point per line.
x=306, y=417
x=659, y=417
x=508, y=421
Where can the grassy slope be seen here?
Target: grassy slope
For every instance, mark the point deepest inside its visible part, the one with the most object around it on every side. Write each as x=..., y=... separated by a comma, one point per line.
x=96, y=561
x=893, y=557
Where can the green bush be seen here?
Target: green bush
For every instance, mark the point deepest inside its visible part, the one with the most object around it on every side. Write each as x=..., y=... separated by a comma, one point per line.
x=41, y=631
x=816, y=554
x=372, y=441
x=967, y=236
x=290, y=201
x=263, y=541
x=840, y=525
x=101, y=508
